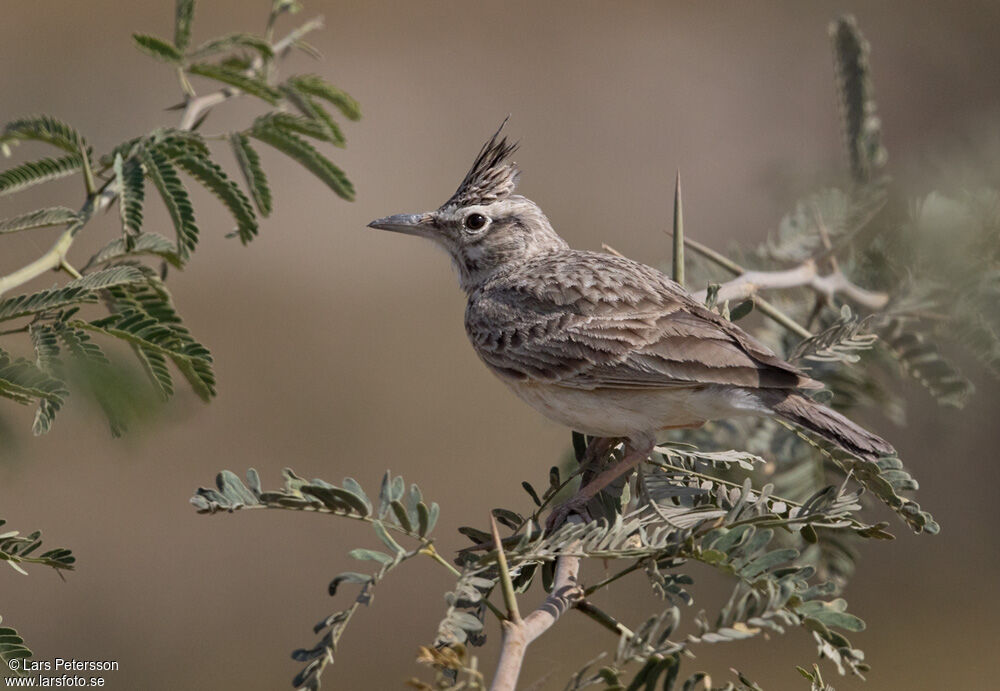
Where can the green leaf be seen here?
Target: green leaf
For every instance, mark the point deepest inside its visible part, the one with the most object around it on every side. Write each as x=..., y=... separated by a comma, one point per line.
x=43, y=218
x=44, y=128
x=316, y=86
x=147, y=243
x=354, y=487
x=386, y=538
x=182, y=25
x=305, y=154
x=218, y=183
x=12, y=647
x=46, y=344
x=176, y=143
x=175, y=197
x=249, y=162
x=77, y=291
x=370, y=555
x=243, y=82
x=767, y=562
x=129, y=180
x=233, y=41
x=22, y=381
x=158, y=48
x=349, y=577
x=862, y=128
x=316, y=122
x=741, y=310
x=400, y=512
x=145, y=318
x=36, y=172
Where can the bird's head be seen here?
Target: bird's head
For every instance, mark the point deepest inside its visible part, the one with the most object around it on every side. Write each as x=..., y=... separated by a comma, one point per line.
x=484, y=226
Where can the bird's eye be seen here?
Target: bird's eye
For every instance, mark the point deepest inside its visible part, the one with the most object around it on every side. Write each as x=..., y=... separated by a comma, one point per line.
x=475, y=221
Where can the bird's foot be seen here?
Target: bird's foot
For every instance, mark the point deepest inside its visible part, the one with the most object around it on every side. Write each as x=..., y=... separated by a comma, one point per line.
x=577, y=505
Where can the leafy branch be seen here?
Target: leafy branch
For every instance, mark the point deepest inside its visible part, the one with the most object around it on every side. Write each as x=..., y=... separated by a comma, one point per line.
x=18, y=550
x=142, y=314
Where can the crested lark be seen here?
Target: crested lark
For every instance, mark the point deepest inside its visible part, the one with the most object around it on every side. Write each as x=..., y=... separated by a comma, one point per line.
x=599, y=343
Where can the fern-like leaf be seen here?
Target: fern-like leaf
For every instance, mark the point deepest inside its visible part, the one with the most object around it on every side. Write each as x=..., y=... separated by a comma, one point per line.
x=243, y=82
x=841, y=341
x=22, y=381
x=129, y=180
x=230, y=42
x=44, y=128
x=218, y=183
x=42, y=218
x=158, y=48
x=36, y=172
x=309, y=126
x=46, y=344
x=305, y=154
x=12, y=647
x=77, y=291
x=18, y=549
x=145, y=318
x=182, y=24
x=862, y=128
x=316, y=86
x=147, y=243
x=175, y=197
x=924, y=361
x=317, y=121
x=249, y=162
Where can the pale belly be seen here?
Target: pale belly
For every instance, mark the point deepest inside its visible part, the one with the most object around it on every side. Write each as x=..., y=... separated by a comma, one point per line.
x=632, y=412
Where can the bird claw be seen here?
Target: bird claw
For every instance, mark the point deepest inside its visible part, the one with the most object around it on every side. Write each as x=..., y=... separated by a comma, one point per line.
x=559, y=514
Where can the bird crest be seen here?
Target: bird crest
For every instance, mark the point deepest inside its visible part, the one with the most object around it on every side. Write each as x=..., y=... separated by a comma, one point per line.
x=492, y=177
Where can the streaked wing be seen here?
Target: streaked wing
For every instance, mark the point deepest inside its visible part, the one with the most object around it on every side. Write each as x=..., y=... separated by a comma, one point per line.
x=588, y=320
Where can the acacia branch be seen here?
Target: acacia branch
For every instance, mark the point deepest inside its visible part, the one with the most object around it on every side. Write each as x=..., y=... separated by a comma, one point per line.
x=198, y=106
x=748, y=283
x=102, y=199
x=518, y=635
x=55, y=258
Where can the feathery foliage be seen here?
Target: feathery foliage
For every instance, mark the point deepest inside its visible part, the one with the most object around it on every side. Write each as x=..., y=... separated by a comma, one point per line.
x=253, y=174
x=157, y=48
x=42, y=218
x=44, y=128
x=34, y=173
x=276, y=131
x=254, y=86
x=182, y=24
x=141, y=310
x=19, y=551
x=398, y=509
x=131, y=194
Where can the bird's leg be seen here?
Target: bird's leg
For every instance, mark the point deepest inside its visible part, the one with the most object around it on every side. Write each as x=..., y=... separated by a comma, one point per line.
x=637, y=450
x=595, y=456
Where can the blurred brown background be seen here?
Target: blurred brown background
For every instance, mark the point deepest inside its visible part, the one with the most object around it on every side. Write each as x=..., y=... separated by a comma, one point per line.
x=341, y=350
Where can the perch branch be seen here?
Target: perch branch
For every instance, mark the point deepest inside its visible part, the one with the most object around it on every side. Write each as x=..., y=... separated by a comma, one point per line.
x=517, y=636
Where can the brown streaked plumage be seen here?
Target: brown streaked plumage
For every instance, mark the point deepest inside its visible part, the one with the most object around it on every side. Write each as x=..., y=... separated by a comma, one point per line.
x=602, y=344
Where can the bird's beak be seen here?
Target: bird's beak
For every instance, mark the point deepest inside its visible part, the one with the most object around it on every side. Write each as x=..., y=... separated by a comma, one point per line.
x=411, y=224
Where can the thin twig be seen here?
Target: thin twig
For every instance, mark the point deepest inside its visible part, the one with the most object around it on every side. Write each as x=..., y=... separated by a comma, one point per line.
x=678, y=233
x=506, y=585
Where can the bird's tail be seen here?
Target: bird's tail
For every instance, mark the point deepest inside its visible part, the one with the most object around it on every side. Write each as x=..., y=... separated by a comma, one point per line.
x=831, y=426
